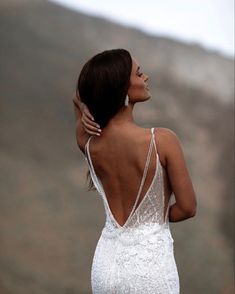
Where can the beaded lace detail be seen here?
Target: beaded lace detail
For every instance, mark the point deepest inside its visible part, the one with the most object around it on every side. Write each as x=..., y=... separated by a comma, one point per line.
x=137, y=257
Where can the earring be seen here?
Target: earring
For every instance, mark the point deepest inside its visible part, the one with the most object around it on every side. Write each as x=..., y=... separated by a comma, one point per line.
x=126, y=100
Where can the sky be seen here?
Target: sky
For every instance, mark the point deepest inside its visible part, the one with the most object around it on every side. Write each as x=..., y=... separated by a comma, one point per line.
x=207, y=22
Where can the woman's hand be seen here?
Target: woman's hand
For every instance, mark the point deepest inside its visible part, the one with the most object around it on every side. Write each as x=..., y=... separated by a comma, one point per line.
x=90, y=126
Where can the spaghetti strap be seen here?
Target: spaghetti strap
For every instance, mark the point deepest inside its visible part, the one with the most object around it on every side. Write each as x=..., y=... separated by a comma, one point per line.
x=154, y=143
x=92, y=170
x=143, y=177
x=163, y=194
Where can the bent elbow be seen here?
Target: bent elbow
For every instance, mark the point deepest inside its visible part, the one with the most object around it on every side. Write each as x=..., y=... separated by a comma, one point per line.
x=192, y=212
x=192, y=209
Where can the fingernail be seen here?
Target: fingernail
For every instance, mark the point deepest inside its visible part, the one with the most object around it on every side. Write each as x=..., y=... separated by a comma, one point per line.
x=98, y=126
x=98, y=134
x=99, y=130
x=93, y=118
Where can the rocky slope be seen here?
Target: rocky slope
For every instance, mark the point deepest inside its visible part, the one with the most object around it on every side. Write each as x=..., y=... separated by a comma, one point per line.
x=49, y=225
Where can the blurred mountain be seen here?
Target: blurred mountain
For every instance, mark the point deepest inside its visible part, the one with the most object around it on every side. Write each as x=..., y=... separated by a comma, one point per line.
x=49, y=225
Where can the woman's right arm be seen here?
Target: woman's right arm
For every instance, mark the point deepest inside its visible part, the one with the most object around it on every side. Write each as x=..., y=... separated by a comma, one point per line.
x=182, y=187
x=84, y=124
x=83, y=114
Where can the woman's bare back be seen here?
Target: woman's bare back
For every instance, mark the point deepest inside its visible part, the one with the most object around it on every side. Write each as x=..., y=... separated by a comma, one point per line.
x=119, y=159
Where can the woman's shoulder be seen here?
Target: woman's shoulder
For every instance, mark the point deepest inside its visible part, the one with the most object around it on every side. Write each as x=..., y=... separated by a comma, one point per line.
x=165, y=134
x=164, y=131
x=165, y=139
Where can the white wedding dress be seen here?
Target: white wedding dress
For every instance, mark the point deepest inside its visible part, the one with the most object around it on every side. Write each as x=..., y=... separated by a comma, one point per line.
x=137, y=257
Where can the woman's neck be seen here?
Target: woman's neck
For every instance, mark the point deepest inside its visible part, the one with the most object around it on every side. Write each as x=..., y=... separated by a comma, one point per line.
x=123, y=117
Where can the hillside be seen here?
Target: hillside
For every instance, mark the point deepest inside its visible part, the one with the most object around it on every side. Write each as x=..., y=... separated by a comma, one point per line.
x=49, y=224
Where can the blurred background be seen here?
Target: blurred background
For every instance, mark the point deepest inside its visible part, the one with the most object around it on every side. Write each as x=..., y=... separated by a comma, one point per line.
x=49, y=223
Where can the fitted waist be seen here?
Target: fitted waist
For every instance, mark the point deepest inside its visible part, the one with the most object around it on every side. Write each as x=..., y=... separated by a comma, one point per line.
x=132, y=235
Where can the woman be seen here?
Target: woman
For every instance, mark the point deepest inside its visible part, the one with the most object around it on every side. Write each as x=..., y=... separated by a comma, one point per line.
x=136, y=171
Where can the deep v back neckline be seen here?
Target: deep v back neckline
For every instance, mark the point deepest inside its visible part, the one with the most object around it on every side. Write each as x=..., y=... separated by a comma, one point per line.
x=100, y=187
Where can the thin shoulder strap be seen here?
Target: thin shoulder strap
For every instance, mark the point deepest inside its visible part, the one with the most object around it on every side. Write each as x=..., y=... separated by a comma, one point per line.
x=93, y=174
x=154, y=143
x=163, y=193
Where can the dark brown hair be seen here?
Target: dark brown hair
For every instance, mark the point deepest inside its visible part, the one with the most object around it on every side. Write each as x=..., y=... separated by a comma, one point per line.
x=103, y=84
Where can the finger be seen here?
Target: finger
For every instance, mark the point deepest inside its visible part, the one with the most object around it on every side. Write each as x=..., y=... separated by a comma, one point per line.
x=91, y=132
x=91, y=123
x=90, y=127
x=87, y=112
x=90, y=116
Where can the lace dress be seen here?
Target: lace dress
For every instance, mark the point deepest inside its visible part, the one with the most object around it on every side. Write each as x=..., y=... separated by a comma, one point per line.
x=137, y=257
